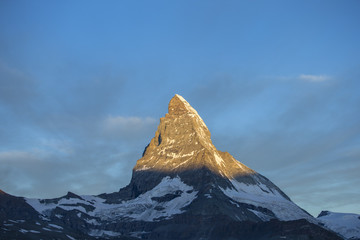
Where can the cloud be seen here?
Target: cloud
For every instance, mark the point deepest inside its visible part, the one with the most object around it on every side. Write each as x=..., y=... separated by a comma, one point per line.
x=55, y=136
x=11, y=156
x=91, y=168
x=87, y=158
x=121, y=124
x=128, y=128
x=313, y=78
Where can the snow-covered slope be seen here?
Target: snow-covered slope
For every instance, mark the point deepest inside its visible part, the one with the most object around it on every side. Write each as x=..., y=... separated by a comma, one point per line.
x=165, y=200
x=346, y=224
x=261, y=195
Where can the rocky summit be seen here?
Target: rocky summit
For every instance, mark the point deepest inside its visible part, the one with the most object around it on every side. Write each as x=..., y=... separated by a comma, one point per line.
x=181, y=188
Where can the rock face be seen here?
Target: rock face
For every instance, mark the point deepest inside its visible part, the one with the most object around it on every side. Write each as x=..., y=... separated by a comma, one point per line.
x=182, y=142
x=181, y=188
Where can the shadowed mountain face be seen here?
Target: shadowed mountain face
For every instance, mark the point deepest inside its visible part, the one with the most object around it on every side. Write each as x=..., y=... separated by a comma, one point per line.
x=181, y=188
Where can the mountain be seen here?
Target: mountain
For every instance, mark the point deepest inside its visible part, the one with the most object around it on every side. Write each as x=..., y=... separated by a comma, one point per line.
x=346, y=224
x=181, y=188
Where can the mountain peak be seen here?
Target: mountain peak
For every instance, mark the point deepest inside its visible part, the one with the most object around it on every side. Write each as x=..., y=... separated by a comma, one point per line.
x=179, y=106
x=182, y=149
x=183, y=142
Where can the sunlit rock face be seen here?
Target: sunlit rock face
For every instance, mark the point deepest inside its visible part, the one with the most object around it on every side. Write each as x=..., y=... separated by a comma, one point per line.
x=183, y=142
x=181, y=188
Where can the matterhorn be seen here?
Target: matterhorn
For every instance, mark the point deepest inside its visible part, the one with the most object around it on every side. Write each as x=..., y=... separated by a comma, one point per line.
x=181, y=188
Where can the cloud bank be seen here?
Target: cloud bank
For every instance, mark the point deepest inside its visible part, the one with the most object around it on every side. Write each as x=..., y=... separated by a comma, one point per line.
x=314, y=78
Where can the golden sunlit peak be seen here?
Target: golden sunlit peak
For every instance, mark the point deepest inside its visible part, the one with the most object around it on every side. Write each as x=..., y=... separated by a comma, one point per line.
x=182, y=142
x=178, y=106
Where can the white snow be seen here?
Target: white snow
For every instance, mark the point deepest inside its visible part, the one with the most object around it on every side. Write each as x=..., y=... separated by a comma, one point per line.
x=140, y=208
x=143, y=168
x=55, y=226
x=92, y=221
x=101, y=233
x=218, y=159
x=26, y=231
x=46, y=208
x=16, y=221
x=260, y=195
x=70, y=237
x=207, y=195
x=40, y=207
x=143, y=207
x=261, y=215
x=137, y=234
x=346, y=224
x=178, y=155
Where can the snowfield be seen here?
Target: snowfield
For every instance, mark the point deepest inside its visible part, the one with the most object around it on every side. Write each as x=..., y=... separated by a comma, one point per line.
x=145, y=207
x=260, y=195
x=347, y=224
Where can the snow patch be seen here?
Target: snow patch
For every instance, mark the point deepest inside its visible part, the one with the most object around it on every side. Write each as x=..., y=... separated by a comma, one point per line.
x=177, y=155
x=346, y=224
x=262, y=196
x=143, y=168
x=218, y=159
x=207, y=195
x=103, y=233
x=55, y=226
x=26, y=231
x=262, y=216
x=70, y=237
x=92, y=221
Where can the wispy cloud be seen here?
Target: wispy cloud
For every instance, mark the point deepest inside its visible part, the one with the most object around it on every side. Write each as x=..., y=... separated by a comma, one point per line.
x=313, y=78
x=119, y=122
x=128, y=126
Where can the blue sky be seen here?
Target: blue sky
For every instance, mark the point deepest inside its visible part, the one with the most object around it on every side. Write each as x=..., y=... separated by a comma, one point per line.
x=83, y=84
